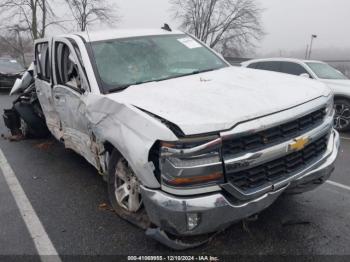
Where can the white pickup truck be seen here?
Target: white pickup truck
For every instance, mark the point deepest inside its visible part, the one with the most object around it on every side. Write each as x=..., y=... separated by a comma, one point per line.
x=187, y=143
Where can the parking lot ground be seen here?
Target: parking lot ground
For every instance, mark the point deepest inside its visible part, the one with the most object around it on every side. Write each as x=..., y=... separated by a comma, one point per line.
x=69, y=199
x=12, y=225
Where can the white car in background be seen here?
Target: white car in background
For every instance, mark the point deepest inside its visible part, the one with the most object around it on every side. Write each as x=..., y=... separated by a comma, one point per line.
x=316, y=70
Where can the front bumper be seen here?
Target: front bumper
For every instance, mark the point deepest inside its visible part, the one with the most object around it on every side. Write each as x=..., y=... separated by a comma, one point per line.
x=217, y=211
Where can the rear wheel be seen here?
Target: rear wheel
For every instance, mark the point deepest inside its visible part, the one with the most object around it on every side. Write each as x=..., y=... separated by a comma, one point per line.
x=342, y=115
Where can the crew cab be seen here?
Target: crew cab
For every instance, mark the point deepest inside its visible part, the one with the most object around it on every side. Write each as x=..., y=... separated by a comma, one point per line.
x=319, y=71
x=188, y=144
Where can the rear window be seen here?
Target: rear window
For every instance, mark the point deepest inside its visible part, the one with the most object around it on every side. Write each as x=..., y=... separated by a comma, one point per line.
x=253, y=65
x=269, y=66
x=293, y=68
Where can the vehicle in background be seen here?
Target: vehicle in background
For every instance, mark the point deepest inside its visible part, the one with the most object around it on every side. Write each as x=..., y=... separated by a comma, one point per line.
x=187, y=143
x=319, y=71
x=10, y=70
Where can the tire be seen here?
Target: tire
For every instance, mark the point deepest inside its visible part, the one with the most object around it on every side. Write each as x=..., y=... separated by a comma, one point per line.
x=127, y=201
x=342, y=115
x=33, y=125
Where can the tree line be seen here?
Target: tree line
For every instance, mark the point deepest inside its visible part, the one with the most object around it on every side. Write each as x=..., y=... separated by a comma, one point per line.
x=229, y=26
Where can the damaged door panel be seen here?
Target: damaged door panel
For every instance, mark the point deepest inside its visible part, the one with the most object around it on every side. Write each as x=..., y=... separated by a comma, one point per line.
x=43, y=85
x=69, y=88
x=187, y=144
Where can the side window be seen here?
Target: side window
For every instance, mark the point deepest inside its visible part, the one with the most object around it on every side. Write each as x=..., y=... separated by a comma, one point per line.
x=67, y=71
x=269, y=66
x=253, y=65
x=42, y=61
x=293, y=68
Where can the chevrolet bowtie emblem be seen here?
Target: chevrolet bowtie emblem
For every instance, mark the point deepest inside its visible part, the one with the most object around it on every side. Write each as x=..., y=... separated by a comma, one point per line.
x=298, y=144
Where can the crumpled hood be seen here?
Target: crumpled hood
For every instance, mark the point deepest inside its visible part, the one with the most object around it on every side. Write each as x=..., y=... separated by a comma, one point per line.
x=218, y=100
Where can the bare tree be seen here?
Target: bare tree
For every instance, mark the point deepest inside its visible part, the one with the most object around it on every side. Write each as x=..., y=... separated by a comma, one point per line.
x=86, y=12
x=31, y=16
x=16, y=45
x=226, y=25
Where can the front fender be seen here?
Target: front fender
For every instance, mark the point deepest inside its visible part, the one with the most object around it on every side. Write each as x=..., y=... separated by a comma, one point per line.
x=131, y=131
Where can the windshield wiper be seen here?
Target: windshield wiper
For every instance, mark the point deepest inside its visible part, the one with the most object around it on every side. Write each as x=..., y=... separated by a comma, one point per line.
x=119, y=88
x=196, y=72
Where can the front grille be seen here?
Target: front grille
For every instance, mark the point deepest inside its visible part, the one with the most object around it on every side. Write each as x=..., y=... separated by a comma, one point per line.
x=273, y=135
x=281, y=168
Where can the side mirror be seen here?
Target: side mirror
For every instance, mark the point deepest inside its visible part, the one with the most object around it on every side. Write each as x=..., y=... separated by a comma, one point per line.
x=306, y=75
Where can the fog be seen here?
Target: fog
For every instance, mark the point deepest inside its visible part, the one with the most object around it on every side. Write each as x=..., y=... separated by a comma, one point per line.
x=288, y=24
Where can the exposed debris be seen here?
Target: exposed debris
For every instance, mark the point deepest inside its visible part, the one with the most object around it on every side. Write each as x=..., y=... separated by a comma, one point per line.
x=105, y=207
x=45, y=146
x=13, y=138
x=176, y=244
x=245, y=226
x=247, y=221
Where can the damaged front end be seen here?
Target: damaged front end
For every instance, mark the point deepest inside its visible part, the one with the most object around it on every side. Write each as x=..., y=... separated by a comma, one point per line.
x=209, y=183
x=25, y=118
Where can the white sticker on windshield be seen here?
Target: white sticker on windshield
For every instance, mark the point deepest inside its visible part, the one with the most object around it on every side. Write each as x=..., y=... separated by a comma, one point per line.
x=189, y=42
x=13, y=61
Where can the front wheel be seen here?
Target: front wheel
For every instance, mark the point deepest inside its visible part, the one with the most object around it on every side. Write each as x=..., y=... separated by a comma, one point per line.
x=342, y=115
x=124, y=191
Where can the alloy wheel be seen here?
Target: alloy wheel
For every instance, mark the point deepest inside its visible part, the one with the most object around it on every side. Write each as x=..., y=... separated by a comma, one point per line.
x=342, y=116
x=127, y=187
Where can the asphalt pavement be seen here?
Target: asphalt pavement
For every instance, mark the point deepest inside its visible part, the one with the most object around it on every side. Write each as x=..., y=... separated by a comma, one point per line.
x=70, y=200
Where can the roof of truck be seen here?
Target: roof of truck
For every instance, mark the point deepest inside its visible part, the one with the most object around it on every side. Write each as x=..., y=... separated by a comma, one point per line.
x=94, y=36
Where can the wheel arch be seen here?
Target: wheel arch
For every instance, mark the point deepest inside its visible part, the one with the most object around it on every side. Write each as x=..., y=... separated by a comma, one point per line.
x=109, y=147
x=340, y=97
x=341, y=120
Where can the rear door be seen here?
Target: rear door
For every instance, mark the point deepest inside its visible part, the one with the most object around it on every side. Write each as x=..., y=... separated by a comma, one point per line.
x=43, y=84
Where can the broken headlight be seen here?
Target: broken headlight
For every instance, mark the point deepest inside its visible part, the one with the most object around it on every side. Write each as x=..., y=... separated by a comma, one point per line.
x=191, y=163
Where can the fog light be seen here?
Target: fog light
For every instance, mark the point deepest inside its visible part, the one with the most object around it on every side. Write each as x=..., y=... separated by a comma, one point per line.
x=193, y=220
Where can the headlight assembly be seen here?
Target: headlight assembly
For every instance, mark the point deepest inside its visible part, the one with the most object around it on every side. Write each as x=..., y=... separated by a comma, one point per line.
x=189, y=163
x=330, y=107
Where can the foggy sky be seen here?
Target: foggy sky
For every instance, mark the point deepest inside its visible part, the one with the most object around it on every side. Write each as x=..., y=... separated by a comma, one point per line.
x=288, y=23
